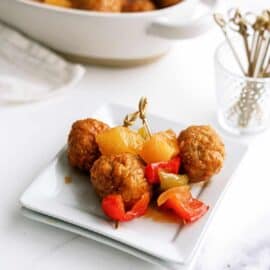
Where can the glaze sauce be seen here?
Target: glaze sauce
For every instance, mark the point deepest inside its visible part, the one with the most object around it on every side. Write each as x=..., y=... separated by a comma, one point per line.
x=161, y=216
x=68, y=179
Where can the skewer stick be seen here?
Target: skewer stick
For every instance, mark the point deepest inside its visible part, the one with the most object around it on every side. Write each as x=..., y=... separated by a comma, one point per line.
x=142, y=113
x=262, y=58
x=244, y=34
x=259, y=28
x=266, y=56
x=256, y=39
x=266, y=70
x=242, y=26
x=130, y=119
x=247, y=49
x=267, y=61
x=222, y=24
x=253, y=50
x=250, y=19
x=257, y=56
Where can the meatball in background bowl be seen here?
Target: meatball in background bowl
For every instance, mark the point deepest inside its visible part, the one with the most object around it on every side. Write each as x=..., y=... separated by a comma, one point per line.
x=107, y=37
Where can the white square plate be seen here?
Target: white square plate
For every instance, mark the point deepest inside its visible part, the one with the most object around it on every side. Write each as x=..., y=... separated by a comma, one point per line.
x=107, y=241
x=76, y=203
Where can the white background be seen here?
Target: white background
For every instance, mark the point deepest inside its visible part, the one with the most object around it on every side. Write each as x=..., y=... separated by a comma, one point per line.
x=180, y=86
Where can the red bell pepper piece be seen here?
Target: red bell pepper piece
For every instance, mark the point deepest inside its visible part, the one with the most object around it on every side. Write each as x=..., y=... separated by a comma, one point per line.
x=180, y=200
x=152, y=169
x=113, y=207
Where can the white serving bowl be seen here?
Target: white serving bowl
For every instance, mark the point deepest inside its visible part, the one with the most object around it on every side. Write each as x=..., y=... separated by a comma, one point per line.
x=107, y=38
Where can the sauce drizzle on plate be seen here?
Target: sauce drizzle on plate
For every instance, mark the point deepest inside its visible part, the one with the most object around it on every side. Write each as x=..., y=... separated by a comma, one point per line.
x=68, y=179
x=161, y=216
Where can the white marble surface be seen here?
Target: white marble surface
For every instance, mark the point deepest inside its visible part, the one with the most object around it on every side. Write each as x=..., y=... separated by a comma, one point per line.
x=181, y=87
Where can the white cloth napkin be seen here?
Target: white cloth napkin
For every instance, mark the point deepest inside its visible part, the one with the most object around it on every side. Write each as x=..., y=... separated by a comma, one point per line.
x=30, y=72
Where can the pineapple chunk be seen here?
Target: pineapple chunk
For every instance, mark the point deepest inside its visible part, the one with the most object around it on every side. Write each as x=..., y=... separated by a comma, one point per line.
x=119, y=140
x=162, y=146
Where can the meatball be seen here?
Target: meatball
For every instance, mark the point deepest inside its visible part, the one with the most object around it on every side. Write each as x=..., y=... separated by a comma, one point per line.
x=202, y=152
x=100, y=5
x=82, y=147
x=138, y=5
x=121, y=174
x=167, y=3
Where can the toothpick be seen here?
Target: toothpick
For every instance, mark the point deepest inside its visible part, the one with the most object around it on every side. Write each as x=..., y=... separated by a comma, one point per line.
x=262, y=57
x=252, y=51
x=266, y=70
x=222, y=24
x=244, y=35
x=259, y=28
x=266, y=55
x=242, y=24
x=130, y=119
x=142, y=113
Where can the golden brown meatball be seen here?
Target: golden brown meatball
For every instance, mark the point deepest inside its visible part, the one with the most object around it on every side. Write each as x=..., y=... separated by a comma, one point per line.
x=138, y=5
x=121, y=174
x=202, y=152
x=82, y=147
x=100, y=5
x=167, y=3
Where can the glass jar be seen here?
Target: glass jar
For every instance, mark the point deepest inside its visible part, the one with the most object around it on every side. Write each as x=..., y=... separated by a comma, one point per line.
x=243, y=103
